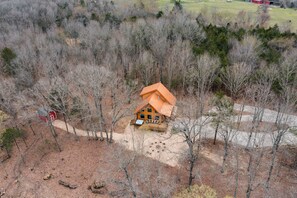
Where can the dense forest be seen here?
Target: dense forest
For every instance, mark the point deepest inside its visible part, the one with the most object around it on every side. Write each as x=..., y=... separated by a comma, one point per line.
x=88, y=60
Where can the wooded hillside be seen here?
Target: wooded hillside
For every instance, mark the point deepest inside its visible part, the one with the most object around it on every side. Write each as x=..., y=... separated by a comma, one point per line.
x=88, y=60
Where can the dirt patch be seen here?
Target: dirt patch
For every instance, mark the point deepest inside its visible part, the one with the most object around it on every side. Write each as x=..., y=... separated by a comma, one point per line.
x=207, y=172
x=82, y=162
x=122, y=124
x=237, y=113
x=288, y=156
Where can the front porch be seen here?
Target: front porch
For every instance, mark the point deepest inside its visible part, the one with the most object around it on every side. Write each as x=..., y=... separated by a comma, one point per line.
x=151, y=125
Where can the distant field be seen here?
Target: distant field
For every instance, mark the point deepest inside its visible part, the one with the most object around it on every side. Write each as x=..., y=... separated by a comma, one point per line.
x=231, y=9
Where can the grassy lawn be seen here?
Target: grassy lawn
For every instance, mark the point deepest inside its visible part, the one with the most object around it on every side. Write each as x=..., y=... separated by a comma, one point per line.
x=231, y=9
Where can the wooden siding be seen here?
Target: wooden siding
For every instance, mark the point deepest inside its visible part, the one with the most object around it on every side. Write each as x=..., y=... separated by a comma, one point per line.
x=145, y=112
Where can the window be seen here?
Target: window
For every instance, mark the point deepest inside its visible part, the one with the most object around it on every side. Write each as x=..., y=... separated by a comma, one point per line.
x=141, y=116
x=149, y=110
x=142, y=110
x=149, y=117
x=157, y=117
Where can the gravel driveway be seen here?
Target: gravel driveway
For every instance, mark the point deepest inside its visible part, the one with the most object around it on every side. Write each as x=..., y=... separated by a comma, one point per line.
x=169, y=148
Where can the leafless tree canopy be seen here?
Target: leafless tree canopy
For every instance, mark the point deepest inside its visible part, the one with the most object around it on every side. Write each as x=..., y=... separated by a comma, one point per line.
x=88, y=60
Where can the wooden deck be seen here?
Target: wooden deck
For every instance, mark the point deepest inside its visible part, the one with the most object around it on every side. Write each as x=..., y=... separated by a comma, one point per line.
x=162, y=127
x=151, y=126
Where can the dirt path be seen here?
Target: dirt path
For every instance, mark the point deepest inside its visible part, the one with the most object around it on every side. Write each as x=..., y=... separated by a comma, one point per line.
x=164, y=147
x=169, y=148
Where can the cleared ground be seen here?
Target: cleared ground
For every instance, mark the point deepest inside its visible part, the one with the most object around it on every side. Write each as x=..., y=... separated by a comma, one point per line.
x=83, y=161
x=230, y=9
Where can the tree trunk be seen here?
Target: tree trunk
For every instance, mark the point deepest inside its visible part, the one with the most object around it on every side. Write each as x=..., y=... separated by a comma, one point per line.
x=19, y=149
x=274, y=151
x=249, y=140
x=25, y=142
x=248, y=191
x=255, y=125
x=111, y=134
x=7, y=152
x=236, y=176
x=99, y=112
x=261, y=114
x=191, y=177
x=74, y=130
x=55, y=136
x=88, y=133
x=102, y=120
x=278, y=113
x=96, y=137
x=65, y=120
x=192, y=163
x=129, y=179
x=30, y=125
x=249, y=187
x=16, y=144
x=216, y=132
x=240, y=116
x=225, y=155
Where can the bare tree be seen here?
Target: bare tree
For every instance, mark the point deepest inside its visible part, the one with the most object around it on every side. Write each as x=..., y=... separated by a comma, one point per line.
x=201, y=75
x=41, y=100
x=263, y=15
x=287, y=81
x=235, y=77
x=255, y=159
x=60, y=99
x=225, y=123
x=92, y=81
x=120, y=106
x=8, y=98
x=178, y=63
x=190, y=127
x=260, y=94
x=227, y=132
x=146, y=67
x=224, y=109
x=159, y=46
x=245, y=51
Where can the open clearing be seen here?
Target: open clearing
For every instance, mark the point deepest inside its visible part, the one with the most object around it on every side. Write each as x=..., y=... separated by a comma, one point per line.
x=83, y=161
x=230, y=10
x=169, y=148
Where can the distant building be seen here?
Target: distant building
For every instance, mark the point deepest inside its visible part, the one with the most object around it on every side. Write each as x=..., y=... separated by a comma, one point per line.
x=275, y=2
x=45, y=114
x=261, y=2
x=158, y=103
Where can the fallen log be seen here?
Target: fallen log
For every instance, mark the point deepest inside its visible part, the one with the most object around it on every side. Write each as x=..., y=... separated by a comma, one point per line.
x=67, y=185
x=98, y=187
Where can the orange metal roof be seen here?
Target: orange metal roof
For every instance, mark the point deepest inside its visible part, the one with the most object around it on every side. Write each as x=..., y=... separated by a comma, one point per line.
x=157, y=103
x=162, y=90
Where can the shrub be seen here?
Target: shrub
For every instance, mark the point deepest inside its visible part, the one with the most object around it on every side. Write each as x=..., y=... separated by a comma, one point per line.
x=8, y=56
x=196, y=191
x=8, y=136
x=159, y=14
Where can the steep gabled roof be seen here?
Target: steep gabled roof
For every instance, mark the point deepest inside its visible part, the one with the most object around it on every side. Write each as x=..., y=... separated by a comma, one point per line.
x=160, y=106
x=162, y=90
